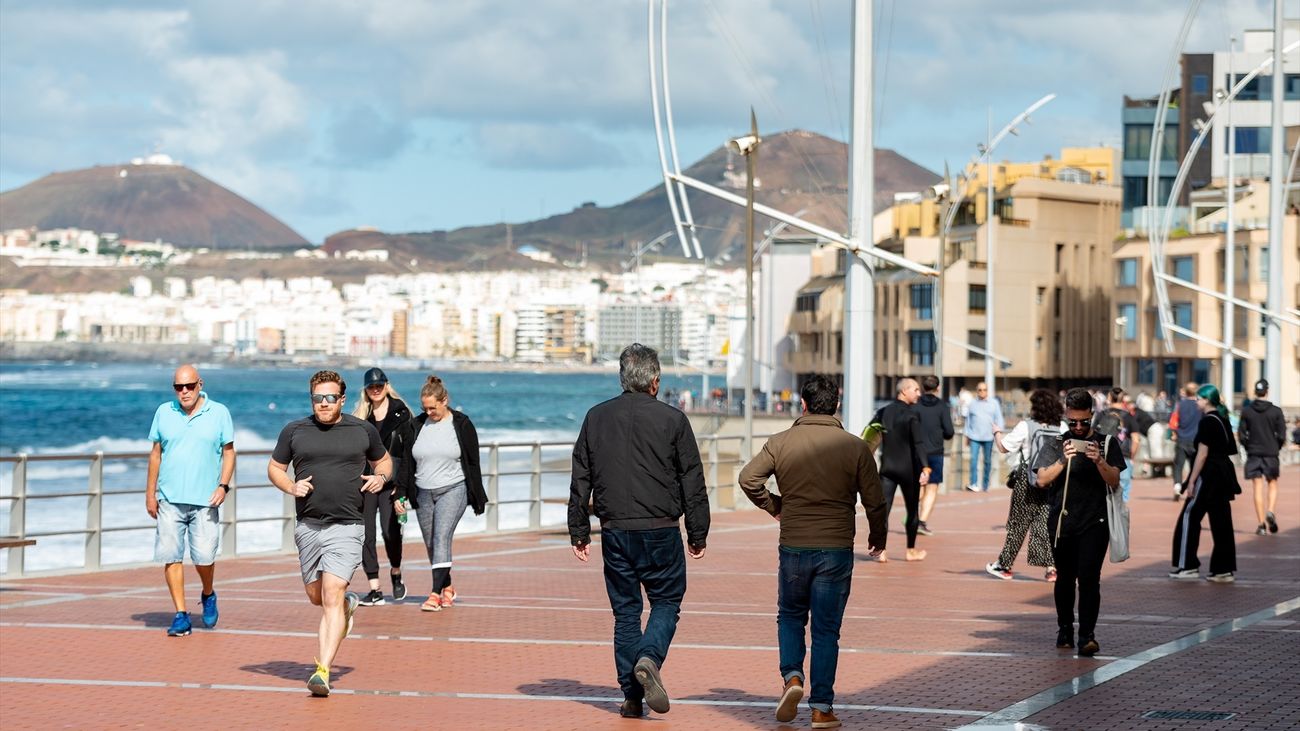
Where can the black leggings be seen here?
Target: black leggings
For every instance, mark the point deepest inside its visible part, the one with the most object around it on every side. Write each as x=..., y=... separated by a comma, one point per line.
x=381, y=503
x=1079, y=558
x=911, y=500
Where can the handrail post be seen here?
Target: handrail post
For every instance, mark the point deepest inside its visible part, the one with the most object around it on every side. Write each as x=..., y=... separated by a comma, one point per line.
x=492, y=514
x=290, y=512
x=229, y=547
x=18, y=516
x=95, y=512
x=535, y=489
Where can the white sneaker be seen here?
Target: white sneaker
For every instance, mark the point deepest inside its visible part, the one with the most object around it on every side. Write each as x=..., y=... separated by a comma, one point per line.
x=1183, y=574
x=1223, y=578
x=1178, y=491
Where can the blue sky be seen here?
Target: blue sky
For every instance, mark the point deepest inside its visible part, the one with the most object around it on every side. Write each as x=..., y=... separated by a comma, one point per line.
x=412, y=115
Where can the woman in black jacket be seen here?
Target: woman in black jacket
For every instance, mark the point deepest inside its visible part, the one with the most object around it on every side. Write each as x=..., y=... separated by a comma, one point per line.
x=439, y=475
x=1211, y=486
x=385, y=410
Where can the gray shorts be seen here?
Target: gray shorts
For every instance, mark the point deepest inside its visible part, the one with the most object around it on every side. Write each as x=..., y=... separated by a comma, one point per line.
x=1266, y=467
x=331, y=548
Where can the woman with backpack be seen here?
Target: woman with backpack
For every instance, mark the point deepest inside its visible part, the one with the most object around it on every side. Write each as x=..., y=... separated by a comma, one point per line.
x=1028, y=513
x=1209, y=490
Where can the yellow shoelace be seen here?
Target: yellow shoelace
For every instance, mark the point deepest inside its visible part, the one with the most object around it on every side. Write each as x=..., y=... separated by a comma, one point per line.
x=322, y=669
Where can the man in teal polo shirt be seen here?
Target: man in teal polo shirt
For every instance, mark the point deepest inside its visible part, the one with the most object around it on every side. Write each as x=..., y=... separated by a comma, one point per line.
x=190, y=468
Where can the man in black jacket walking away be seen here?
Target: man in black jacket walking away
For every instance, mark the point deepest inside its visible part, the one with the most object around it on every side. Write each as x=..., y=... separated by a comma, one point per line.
x=936, y=428
x=636, y=459
x=1263, y=433
x=902, y=460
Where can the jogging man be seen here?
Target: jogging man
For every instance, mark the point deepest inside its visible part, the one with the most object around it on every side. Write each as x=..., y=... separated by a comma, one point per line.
x=936, y=428
x=1263, y=433
x=190, y=468
x=329, y=451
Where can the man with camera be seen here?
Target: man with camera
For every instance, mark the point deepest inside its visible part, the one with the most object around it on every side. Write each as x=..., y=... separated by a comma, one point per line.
x=1079, y=470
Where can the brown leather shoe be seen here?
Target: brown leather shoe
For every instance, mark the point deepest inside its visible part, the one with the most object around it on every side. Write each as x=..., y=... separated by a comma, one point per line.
x=631, y=709
x=788, y=707
x=824, y=719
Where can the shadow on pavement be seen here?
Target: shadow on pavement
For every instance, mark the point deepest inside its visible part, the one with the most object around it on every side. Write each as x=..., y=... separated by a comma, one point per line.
x=551, y=687
x=293, y=670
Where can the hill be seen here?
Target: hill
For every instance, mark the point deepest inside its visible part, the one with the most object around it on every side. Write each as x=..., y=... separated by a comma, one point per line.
x=144, y=202
x=797, y=170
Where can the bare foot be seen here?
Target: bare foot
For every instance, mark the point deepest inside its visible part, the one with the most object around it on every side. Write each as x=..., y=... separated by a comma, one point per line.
x=915, y=554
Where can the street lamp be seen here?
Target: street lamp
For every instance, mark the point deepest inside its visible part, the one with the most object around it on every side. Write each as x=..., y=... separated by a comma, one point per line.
x=748, y=147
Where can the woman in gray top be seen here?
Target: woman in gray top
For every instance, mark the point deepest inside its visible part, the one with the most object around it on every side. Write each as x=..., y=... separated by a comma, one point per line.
x=439, y=475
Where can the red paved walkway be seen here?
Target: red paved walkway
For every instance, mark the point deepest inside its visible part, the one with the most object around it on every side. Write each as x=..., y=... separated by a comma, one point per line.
x=938, y=644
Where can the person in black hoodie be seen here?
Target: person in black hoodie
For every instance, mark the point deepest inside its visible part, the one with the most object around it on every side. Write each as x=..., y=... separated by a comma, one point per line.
x=903, y=460
x=439, y=475
x=385, y=410
x=637, y=462
x=936, y=428
x=1262, y=432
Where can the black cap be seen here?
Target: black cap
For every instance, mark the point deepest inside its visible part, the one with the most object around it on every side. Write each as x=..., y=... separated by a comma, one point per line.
x=375, y=375
x=1261, y=387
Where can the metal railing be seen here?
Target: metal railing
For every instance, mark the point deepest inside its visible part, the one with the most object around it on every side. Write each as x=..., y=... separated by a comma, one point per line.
x=522, y=460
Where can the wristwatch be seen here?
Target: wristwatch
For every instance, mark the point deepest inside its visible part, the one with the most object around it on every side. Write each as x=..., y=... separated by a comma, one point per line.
x=224, y=486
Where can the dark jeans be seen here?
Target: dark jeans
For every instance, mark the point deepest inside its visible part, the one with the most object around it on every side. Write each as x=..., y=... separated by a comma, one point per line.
x=1187, y=531
x=816, y=582
x=1078, y=561
x=653, y=559
x=379, y=502
x=1184, y=454
x=911, y=501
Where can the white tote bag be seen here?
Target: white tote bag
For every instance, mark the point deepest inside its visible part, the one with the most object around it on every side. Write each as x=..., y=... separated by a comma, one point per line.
x=1117, y=520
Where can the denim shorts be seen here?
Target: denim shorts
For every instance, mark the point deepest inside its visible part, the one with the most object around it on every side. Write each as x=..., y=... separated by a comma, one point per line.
x=197, y=527
x=935, y=463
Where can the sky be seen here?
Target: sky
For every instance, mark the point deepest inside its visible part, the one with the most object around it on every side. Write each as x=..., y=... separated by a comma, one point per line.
x=416, y=115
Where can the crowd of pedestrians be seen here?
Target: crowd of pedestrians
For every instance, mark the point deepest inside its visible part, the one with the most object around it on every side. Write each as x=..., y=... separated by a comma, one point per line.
x=355, y=477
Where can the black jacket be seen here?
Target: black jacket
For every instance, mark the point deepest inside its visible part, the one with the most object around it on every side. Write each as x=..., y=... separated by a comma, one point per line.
x=1262, y=429
x=936, y=423
x=637, y=461
x=901, y=453
x=404, y=439
x=398, y=416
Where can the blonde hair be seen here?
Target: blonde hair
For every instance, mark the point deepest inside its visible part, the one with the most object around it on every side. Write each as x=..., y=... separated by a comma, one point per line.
x=365, y=407
x=434, y=388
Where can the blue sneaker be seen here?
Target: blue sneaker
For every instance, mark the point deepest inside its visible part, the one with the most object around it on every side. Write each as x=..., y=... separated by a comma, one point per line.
x=209, y=602
x=180, y=625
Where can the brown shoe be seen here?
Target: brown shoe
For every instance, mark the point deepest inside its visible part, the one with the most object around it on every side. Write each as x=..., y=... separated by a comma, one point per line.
x=824, y=719
x=631, y=709
x=788, y=707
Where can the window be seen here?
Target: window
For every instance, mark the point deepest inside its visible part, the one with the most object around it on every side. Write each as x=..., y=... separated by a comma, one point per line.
x=1238, y=375
x=1127, y=273
x=922, y=301
x=975, y=338
x=1263, y=321
x=1056, y=302
x=1126, y=322
x=1038, y=343
x=921, y=344
x=1263, y=263
x=1182, y=317
x=1253, y=140
x=1038, y=298
x=1146, y=374
x=1241, y=265
x=1056, y=345
x=1059, y=248
x=1200, y=84
x=1260, y=88
x=1183, y=267
x=807, y=302
x=1201, y=370
x=1135, y=192
x=977, y=297
x=1137, y=141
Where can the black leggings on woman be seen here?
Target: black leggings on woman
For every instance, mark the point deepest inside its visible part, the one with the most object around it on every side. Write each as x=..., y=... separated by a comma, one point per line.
x=911, y=501
x=382, y=504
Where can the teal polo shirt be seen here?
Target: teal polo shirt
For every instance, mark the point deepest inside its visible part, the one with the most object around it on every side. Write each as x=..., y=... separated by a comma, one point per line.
x=191, y=450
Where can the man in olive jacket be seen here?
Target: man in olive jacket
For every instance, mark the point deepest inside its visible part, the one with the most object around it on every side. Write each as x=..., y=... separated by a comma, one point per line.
x=636, y=459
x=822, y=471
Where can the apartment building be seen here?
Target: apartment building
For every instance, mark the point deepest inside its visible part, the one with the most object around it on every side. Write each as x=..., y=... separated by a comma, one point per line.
x=657, y=324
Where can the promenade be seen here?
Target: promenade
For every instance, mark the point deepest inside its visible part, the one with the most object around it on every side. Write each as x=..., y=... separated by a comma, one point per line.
x=932, y=645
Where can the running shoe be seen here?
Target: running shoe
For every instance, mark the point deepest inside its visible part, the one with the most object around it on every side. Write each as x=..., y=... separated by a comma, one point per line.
x=399, y=589
x=1089, y=647
x=924, y=529
x=374, y=598
x=647, y=674
x=1224, y=578
x=350, y=602
x=1262, y=530
x=1272, y=522
x=995, y=570
x=1183, y=574
x=209, y=602
x=1178, y=491
x=319, y=682
x=180, y=625
x=1064, y=639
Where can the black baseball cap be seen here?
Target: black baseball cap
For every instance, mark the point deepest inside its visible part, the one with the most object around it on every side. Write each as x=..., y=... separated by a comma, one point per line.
x=1261, y=387
x=374, y=376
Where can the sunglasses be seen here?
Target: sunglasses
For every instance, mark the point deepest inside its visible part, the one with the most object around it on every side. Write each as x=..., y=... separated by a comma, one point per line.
x=178, y=387
x=376, y=386
x=1078, y=422
x=326, y=398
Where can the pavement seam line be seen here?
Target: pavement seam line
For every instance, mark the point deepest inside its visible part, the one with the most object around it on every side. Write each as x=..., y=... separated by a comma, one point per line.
x=1020, y=710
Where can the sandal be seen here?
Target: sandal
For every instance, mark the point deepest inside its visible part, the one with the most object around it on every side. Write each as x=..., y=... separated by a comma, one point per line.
x=432, y=604
x=448, y=596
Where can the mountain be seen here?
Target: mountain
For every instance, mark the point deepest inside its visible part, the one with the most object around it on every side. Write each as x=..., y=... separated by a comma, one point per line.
x=797, y=170
x=144, y=201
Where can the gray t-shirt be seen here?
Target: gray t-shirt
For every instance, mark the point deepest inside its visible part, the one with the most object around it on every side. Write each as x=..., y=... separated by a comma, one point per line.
x=437, y=456
x=335, y=457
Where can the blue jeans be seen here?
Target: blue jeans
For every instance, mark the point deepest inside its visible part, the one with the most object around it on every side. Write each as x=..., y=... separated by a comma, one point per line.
x=1126, y=478
x=653, y=559
x=815, y=582
x=976, y=449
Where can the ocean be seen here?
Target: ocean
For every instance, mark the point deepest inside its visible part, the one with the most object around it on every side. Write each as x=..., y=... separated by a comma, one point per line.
x=83, y=408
